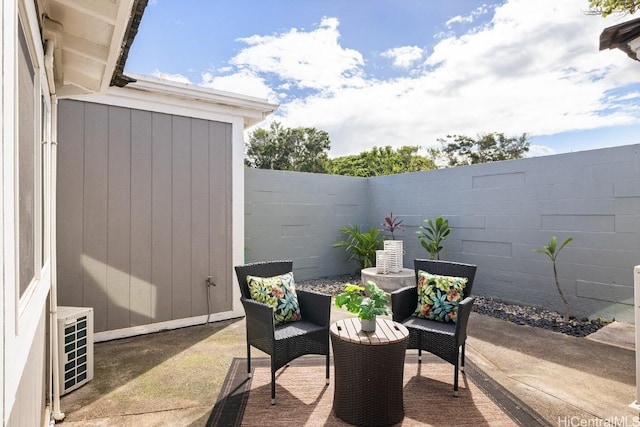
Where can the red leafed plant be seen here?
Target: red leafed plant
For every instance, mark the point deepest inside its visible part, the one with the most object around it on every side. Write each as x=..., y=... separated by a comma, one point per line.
x=392, y=224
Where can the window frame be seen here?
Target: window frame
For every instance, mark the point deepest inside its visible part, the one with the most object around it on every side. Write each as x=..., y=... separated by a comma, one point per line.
x=41, y=136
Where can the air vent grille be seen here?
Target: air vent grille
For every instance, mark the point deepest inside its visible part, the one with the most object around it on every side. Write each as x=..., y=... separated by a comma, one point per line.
x=75, y=343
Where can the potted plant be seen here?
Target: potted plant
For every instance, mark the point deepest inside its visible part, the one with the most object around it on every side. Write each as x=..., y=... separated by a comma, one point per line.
x=393, y=246
x=432, y=236
x=367, y=305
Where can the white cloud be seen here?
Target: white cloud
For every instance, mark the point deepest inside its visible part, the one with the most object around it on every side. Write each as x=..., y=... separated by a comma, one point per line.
x=171, y=77
x=540, y=150
x=308, y=60
x=525, y=66
x=468, y=19
x=403, y=57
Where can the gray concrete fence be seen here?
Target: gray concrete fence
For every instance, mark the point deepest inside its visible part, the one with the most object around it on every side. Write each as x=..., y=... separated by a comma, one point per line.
x=498, y=212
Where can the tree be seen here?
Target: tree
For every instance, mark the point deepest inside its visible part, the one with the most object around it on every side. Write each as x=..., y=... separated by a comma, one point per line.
x=607, y=7
x=381, y=161
x=300, y=149
x=491, y=147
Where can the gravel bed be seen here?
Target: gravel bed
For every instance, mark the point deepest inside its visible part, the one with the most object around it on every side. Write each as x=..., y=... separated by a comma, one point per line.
x=519, y=314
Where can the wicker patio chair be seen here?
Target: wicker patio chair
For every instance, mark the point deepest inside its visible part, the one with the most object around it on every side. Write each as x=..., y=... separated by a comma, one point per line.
x=445, y=340
x=288, y=341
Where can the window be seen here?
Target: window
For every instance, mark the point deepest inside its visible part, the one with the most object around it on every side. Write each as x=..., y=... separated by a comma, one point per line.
x=30, y=214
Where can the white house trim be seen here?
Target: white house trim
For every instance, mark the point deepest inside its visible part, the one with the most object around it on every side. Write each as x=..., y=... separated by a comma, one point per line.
x=164, y=326
x=185, y=100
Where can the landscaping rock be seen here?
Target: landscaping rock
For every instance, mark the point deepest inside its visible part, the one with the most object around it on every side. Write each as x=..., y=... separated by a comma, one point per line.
x=516, y=313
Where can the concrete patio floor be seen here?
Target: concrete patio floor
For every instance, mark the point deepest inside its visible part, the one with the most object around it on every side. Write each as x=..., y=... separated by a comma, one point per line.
x=174, y=377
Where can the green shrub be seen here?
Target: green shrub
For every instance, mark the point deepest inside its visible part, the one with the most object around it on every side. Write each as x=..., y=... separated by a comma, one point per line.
x=361, y=246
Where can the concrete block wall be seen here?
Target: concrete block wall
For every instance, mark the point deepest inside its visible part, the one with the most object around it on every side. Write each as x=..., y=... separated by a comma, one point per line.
x=298, y=216
x=499, y=213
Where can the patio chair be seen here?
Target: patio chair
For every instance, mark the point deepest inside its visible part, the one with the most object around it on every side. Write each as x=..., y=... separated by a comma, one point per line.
x=445, y=340
x=288, y=341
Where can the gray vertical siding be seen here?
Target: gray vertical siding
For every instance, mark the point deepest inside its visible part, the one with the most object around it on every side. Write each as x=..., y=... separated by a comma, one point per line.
x=499, y=213
x=141, y=291
x=220, y=217
x=144, y=214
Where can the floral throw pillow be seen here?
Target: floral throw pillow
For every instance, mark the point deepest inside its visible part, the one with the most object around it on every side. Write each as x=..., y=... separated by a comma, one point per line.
x=439, y=296
x=280, y=293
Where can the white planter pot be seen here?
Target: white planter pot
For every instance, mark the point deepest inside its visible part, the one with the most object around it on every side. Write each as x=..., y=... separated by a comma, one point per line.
x=382, y=262
x=394, y=247
x=368, y=325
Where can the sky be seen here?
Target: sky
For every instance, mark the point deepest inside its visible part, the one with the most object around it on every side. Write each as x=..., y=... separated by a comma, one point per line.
x=376, y=73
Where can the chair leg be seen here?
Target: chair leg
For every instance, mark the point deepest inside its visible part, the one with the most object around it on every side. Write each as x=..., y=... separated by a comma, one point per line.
x=462, y=360
x=419, y=355
x=455, y=381
x=248, y=360
x=327, y=368
x=273, y=383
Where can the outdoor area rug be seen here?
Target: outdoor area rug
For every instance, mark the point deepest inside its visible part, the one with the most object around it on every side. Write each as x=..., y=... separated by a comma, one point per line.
x=303, y=398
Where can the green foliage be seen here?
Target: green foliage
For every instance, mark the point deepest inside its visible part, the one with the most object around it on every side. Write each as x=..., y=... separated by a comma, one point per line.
x=432, y=236
x=366, y=307
x=392, y=225
x=552, y=250
x=607, y=7
x=293, y=149
x=491, y=147
x=361, y=246
x=381, y=161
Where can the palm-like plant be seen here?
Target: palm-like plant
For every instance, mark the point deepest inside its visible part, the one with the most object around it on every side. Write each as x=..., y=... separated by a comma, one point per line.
x=361, y=246
x=552, y=250
x=432, y=236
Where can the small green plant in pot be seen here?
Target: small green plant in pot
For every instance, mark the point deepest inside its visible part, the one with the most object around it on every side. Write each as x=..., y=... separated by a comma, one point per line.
x=367, y=302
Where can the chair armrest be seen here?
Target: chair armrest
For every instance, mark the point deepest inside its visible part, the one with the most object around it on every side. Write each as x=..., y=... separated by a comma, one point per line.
x=314, y=306
x=403, y=303
x=464, y=310
x=259, y=318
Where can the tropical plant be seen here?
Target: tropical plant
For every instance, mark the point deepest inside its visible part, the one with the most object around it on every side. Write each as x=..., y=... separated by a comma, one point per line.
x=392, y=224
x=432, y=236
x=361, y=246
x=552, y=250
x=366, y=307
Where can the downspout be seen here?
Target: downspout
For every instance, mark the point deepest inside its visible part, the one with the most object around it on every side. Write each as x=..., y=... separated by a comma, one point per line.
x=53, y=300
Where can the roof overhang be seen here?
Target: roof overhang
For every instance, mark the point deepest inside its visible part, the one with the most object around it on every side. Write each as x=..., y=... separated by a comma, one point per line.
x=187, y=99
x=624, y=36
x=91, y=39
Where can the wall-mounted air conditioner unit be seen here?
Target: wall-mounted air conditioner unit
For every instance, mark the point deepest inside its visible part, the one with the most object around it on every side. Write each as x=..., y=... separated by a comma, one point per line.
x=75, y=344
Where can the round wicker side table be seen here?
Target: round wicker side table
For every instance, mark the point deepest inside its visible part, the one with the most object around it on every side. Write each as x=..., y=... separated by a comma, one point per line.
x=368, y=372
